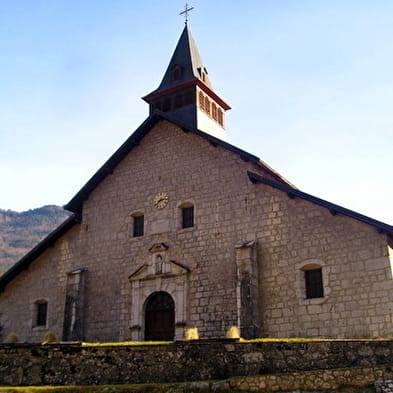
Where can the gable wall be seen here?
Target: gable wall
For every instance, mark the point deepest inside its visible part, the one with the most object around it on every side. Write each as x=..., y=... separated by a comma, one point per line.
x=189, y=169
x=228, y=209
x=356, y=271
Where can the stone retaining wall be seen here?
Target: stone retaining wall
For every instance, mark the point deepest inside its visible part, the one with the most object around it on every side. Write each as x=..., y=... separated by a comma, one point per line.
x=316, y=380
x=74, y=364
x=384, y=386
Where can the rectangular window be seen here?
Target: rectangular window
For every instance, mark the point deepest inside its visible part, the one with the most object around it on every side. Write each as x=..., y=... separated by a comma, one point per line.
x=220, y=117
x=201, y=101
x=314, y=283
x=214, y=112
x=139, y=224
x=207, y=105
x=42, y=310
x=188, y=217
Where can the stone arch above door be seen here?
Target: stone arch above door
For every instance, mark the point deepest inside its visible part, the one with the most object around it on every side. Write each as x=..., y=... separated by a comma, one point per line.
x=144, y=282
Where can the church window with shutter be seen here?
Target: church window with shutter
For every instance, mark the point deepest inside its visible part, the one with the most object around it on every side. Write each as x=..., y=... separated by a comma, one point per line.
x=201, y=101
x=214, y=111
x=220, y=117
x=207, y=105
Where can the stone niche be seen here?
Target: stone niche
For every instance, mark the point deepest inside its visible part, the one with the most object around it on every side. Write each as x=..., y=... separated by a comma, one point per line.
x=74, y=310
x=160, y=274
x=247, y=289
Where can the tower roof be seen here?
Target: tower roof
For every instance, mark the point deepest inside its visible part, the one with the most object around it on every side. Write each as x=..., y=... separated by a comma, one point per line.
x=187, y=57
x=186, y=93
x=185, y=68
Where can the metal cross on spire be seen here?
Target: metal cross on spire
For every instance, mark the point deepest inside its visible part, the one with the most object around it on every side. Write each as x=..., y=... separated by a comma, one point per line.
x=187, y=9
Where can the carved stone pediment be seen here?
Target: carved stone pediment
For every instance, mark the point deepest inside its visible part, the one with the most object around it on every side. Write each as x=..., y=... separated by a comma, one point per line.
x=158, y=247
x=142, y=270
x=173, y=269
x=245, y=244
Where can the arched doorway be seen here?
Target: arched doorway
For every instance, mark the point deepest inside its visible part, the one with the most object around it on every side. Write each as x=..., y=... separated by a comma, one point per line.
x=159, y=317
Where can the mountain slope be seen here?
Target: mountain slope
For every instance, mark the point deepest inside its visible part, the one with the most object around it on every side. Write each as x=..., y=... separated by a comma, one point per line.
x=19, y=232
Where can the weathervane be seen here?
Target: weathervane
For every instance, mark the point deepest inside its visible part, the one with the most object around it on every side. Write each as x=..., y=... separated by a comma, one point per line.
x=187, y=9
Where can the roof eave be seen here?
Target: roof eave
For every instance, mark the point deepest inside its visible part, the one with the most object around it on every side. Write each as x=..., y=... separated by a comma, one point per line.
x=333, y=208
x=159, y=93
x=76, y=203
x=193, y=82
x=212, y=94
x=35, y=252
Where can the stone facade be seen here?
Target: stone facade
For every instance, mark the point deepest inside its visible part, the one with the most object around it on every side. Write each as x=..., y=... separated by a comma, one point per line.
x=258, y=253
x=355, y=267
x=238, y=225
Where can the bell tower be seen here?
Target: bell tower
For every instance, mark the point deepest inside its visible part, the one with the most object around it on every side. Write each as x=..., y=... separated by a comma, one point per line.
x=186, y=93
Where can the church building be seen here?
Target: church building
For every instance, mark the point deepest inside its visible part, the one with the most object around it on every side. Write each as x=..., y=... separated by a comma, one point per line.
x=181, y=229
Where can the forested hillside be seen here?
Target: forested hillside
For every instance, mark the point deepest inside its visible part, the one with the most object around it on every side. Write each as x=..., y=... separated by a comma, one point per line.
x=19, y=232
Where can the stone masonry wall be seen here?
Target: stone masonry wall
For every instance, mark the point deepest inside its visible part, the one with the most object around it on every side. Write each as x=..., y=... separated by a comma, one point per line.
x=358, y=288
x=289, y=235
x=325, y=380
x=56, y=364
x=44, y=280
x=189, y=170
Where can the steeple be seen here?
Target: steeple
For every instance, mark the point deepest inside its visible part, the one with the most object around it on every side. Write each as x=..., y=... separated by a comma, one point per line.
x=186, y=92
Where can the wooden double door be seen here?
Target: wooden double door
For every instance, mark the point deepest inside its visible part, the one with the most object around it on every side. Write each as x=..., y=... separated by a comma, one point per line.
x=160, y=317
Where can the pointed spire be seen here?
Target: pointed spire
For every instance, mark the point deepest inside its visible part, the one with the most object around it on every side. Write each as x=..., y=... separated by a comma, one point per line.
x=186, y=92
x=186, y=64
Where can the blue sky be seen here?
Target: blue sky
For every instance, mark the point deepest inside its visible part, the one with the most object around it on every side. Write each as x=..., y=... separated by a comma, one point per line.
x=310, y=84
